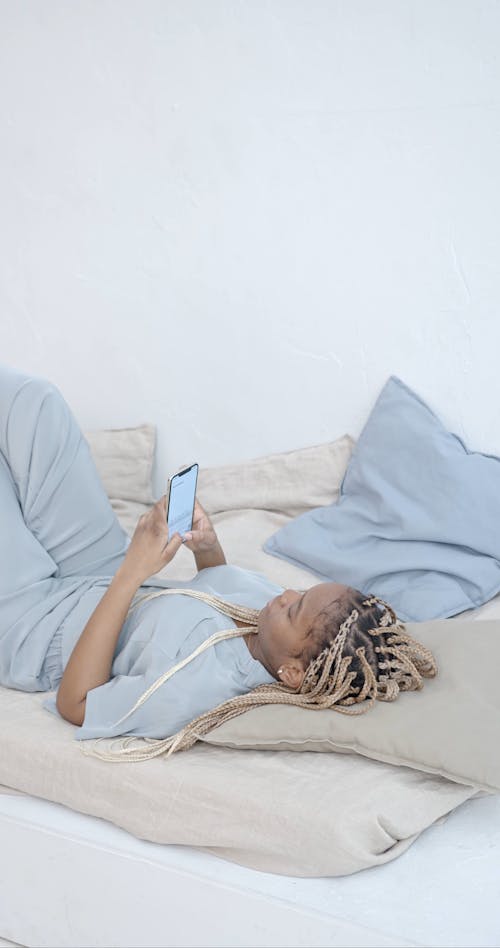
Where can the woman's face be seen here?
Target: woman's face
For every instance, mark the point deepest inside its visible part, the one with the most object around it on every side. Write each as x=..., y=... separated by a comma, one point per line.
x=284, y=625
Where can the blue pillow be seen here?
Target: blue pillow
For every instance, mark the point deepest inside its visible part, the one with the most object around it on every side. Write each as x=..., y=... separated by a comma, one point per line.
x=417, y=521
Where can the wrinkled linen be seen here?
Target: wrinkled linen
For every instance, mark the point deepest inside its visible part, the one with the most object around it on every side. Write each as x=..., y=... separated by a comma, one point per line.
x=299, y=814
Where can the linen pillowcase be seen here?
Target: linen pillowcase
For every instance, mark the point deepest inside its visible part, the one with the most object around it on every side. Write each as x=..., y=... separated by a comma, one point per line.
x=417, y=518
x=290, y=482
x=124, y=460
x=451, y=727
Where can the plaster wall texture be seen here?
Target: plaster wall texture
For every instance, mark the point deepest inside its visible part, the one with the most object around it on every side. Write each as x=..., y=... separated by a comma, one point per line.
x=235, y=218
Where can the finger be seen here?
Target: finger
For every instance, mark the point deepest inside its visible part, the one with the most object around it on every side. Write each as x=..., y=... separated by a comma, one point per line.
x=174, y=544
x=194, y=536
x=159, y=511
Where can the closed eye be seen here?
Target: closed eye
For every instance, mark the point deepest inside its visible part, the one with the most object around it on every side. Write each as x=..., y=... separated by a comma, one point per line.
x=296, y=603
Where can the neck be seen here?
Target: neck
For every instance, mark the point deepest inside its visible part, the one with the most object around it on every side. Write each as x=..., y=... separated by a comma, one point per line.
x=251, y=641
x=253, y=645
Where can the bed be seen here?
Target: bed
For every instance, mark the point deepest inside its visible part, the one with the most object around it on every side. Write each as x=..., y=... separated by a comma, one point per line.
x=77, y=870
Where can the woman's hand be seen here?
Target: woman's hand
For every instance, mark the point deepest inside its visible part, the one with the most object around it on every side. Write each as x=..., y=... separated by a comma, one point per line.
x=150, y=548
x=202, y=537
x=202, y=540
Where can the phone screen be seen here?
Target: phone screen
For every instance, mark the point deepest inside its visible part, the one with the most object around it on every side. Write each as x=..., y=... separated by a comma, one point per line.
x=181, y=501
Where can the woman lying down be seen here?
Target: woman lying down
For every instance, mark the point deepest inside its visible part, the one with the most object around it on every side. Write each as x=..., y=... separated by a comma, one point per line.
x=77, y=613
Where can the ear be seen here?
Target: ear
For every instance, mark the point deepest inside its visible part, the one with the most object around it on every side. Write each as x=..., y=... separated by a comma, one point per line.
x=291, y=674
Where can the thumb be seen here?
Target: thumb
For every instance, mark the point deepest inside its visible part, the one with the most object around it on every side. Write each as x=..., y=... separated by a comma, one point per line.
x=191, y=538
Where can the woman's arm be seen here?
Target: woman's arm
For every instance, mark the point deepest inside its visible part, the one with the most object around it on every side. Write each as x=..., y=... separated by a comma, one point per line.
x=90, y=662
x=213, y=557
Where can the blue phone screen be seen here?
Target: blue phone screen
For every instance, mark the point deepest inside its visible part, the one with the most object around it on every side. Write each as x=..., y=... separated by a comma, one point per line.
x=181, y=501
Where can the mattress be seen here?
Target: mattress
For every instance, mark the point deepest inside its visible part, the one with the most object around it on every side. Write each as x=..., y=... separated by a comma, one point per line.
x=67, y=879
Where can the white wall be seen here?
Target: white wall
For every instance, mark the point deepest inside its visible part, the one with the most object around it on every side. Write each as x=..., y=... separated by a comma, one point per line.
x=236, y=218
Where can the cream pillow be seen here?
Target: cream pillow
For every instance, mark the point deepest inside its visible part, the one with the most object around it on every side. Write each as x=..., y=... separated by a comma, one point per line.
x=290, y=482
x=124, y=460
x=451, y=727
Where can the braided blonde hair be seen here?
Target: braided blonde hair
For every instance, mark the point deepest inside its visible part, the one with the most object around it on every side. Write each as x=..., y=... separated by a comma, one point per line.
x=333, y=679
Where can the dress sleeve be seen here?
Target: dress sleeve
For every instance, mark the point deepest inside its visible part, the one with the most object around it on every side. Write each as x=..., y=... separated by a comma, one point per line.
x=190, y=692
x=107, y=703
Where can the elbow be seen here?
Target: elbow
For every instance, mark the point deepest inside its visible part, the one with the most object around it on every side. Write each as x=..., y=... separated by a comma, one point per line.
x=74, y=713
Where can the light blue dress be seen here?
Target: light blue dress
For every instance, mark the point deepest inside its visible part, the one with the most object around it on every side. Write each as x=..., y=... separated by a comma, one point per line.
x=158, y=635
x=59, y=535
x=61, y=544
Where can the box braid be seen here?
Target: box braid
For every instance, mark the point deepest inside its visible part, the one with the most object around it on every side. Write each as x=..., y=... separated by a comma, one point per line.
x=357, y=655
x=369, y=656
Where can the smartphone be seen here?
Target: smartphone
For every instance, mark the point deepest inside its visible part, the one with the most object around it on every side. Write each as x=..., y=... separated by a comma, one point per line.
x=181, y=498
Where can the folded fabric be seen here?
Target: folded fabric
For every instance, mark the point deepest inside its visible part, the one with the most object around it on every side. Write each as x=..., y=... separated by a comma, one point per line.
x=451, y=727
x=417, y=519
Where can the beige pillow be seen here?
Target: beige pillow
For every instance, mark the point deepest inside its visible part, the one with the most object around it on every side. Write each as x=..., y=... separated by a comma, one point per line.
x=124, y=460
x=451, y=727
x=290, y=483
